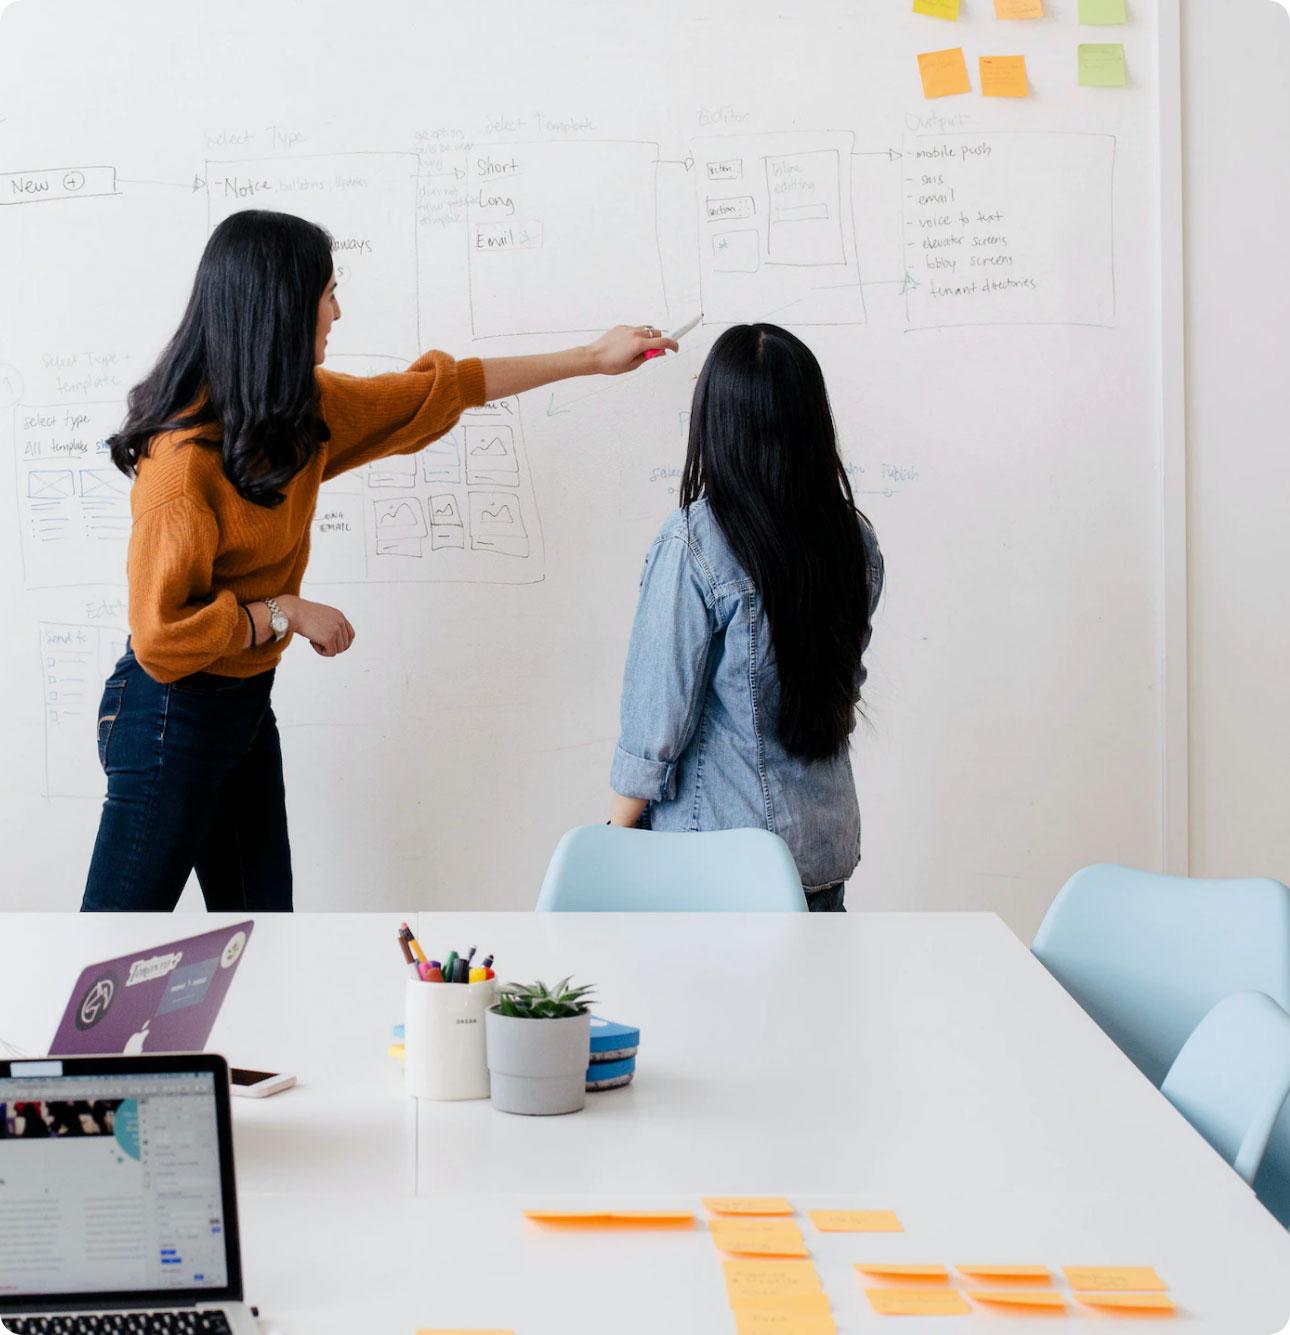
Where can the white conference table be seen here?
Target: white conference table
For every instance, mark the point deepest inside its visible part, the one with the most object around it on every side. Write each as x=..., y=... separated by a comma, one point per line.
x=923, y=1063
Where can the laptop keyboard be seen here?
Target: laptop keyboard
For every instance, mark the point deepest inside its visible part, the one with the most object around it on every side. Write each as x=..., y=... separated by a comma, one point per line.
x=121, y=1323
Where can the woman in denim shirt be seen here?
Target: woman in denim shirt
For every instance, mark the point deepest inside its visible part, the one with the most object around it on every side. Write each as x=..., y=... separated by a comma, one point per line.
x=744, y=672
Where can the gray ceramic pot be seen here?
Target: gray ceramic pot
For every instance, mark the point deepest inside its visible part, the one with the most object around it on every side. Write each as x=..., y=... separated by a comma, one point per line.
x=538, y=1067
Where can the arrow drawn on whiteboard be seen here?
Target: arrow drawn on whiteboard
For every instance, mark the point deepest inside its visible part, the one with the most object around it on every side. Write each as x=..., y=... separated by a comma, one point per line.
x=891, y=154
x=553, y=411
x=687, y=162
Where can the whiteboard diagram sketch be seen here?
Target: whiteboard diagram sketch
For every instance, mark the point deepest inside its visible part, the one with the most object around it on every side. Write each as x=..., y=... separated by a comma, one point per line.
x=777, y=237
x=74, y=662
x=562, y=237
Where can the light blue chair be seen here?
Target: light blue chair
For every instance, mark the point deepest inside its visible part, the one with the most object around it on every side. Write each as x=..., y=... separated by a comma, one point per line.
x=606, y=869
x=1148, y=956
x=1232, y=1077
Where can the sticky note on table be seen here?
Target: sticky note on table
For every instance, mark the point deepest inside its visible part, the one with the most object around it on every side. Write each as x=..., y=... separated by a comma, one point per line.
x=782, y=1321
x=1019, y=9
x=1113, y=1279
x=856, y=1221
x=769, y=1279
x=1047, y=1298
x=807, y=1304
x=758, y=1237
x=1004, y=76
x=944, y=73
x=1128, y=1302
x=1101, y=65
x=1102, y=13
x=462, y=1330
x=613, y=1218
x=917, y=1302
x=928, y=1274
x=753, y=1205
x=1012, y=1273
x=938, y=9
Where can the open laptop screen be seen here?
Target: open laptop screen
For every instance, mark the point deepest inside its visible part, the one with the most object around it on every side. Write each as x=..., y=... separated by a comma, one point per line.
x=111, y=1182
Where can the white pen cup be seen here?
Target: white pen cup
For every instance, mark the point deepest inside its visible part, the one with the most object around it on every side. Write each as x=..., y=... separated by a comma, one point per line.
x=444, y=1053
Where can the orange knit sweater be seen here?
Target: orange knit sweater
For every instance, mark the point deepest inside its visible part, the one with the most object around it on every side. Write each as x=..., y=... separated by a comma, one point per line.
x=198, y=549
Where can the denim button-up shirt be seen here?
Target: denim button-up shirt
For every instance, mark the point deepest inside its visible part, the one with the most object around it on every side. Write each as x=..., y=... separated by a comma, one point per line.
x=700, y=705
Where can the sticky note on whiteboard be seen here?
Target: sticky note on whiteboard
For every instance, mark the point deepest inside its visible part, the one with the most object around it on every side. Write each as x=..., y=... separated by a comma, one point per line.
x=944, y=73
x=1004, y=76
x=1019, y=9
x=1101, y=65
x=938, y=9
x=1100, y=13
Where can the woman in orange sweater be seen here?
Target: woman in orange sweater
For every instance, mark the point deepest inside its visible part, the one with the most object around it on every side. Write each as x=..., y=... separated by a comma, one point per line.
x=229, y=439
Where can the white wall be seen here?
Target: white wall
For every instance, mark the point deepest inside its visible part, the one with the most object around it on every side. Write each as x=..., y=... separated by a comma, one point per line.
x=1237, y=139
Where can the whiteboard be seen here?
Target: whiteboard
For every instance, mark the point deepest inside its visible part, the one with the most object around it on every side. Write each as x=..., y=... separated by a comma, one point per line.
x=980, y=278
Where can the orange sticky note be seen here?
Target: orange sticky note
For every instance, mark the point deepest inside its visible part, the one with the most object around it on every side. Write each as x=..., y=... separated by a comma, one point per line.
x=806, y=1303
x=1018, y=1297
x=938, y=9
x=1128, y=1302
x=769, y=1279
x=944, y=73
x=928, y=1274
x=461, y=1330
x=1116, y=1279
x=758, y=1237
x=1004, y=76
x=613, y=1218
x=917, y=1302
x=776, y=1321
x=856, y=1221
x=747, y=1205
x=1019, y=9
x=1017, y=1273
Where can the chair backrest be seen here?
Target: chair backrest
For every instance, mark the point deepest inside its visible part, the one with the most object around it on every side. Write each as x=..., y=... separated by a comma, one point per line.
x=1147, y=956
x=602, y=868
x=1232, y=1077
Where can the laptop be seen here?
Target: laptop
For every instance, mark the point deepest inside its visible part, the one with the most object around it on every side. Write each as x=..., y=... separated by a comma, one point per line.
x=160, y=1000
x=118, y=1210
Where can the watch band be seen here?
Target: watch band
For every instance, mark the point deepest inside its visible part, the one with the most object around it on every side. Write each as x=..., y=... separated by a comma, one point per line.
x=277, y=619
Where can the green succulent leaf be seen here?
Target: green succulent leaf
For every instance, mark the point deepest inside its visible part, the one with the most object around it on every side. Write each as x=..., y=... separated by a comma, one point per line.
x=537, y=1001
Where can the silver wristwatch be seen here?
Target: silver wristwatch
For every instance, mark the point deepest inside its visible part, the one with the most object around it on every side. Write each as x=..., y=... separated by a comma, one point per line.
x=278, y=622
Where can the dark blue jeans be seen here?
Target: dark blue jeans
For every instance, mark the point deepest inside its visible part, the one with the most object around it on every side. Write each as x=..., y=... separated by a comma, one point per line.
x=829, y=900
x=194, y=772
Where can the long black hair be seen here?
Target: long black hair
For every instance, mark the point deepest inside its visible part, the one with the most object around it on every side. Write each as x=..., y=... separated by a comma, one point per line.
x=764, y=452
x=241, y=364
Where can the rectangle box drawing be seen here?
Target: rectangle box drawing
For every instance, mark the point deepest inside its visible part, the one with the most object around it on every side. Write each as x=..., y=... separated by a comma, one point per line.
x=1010, y=228
x=75, y=660
x=587, y=248
x=497, y=524
x=793, y=258
x=490, y=456
x=368, y=202
x=55, y=183
x=73, y=504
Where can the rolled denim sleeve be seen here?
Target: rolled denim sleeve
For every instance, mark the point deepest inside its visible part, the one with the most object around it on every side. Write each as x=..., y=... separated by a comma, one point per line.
x=666, y=673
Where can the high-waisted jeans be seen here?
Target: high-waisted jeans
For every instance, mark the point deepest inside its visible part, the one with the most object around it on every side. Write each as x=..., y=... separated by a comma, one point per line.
x=194, y=771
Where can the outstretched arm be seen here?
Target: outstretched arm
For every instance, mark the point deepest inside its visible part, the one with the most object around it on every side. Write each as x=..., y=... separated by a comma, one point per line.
x=622, y=348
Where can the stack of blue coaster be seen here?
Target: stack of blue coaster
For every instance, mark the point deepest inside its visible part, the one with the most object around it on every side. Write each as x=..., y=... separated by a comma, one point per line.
x=613, y=1054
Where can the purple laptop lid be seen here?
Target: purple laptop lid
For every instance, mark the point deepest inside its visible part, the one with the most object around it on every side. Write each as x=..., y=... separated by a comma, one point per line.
x=160, y=1000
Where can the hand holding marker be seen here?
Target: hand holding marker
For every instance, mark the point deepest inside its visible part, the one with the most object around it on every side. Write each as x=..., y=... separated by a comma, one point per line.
x=676, y=335
x=455, y=969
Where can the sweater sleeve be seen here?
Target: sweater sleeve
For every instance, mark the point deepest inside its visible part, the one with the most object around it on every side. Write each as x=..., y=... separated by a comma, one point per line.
x=370, y=417
x=177, y=625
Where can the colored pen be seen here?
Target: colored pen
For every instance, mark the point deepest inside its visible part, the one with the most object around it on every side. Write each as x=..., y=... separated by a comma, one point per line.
x=449, y=964
x=676, y=335
x=412, y=942
x=407, y=955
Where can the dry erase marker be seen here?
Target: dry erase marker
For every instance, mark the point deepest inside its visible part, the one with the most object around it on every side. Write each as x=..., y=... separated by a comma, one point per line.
x=450, y=963
x=412, y=943
x=676, y=336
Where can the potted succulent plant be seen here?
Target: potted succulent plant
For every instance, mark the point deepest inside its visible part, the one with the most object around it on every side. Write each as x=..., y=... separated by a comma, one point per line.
x=539, y=1042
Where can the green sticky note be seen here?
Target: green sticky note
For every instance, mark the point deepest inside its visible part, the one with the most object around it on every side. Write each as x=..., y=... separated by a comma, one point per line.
x=1101, y=65
x=1100, y=13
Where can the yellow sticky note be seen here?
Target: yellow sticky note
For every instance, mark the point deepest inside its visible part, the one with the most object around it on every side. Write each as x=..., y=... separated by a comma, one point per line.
x=1004, y=76
x=747, y=1205
x=769, y=1279
x=1019, y=9
x=1016, y=1273
x=938, y=9
x=777, y=1321
x=1114, y=1279
x=944, y=73
x=758, y=1237
x=917, y=1302
x=1128, y=1302
x=856, y=1221
x=928, y=1274
x=1018, y=1297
